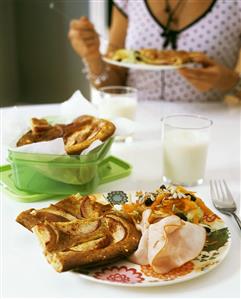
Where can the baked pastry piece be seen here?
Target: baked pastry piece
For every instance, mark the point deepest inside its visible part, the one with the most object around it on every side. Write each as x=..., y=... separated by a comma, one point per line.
x=41, y=130
x=80, y=232
x=84, y=131
x=71, y=208
x=165, y=57
x=77, y=135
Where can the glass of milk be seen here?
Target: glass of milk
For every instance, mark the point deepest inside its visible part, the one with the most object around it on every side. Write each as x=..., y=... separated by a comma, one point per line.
x=118, y=101
x=185, y=140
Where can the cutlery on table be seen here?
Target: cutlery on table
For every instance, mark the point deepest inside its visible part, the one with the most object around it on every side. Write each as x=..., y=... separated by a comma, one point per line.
x=223, y=200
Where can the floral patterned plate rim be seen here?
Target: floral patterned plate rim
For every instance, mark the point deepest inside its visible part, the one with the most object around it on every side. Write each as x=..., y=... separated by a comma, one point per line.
x=128, y=274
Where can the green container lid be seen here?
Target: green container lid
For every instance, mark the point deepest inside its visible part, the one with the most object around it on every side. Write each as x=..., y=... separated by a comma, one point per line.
x=8, y=186
x=109, y=169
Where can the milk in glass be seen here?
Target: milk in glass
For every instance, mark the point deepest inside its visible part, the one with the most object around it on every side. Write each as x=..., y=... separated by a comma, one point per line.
x=118, y=101
x=184, y=149
x=113, y=106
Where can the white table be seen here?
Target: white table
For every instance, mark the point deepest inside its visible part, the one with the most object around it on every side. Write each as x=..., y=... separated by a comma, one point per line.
x=25, y=271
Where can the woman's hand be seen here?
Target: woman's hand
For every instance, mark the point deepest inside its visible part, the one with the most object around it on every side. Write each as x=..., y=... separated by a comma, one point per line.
x=84, y=38
x=210, y=76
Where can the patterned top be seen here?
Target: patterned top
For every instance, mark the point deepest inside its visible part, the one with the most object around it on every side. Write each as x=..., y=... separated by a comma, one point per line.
x=217, y=33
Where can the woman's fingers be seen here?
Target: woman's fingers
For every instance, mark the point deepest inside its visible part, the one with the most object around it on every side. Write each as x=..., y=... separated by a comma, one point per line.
x=84, y=38
x=202, y=73
x=203, y=59
x=82, y=29
x=211, y=76
x=199, y=85
x=196, y=71
x=202, y=79
x=82, y=23
x=73, y=34
x=87, y=33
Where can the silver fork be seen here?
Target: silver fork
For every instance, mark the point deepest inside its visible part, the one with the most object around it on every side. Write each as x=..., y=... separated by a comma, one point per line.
x=223, y=200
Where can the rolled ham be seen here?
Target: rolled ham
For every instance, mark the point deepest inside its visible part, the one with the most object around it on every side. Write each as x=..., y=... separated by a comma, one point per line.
x=140, y=256
x=168, y=243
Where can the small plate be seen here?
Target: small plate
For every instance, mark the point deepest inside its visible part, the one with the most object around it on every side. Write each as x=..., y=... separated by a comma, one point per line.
x=145, y=66
x=128, y=274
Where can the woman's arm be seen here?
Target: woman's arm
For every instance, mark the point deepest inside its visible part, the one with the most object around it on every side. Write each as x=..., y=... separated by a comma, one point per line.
x=213, y=75
x=85, y=42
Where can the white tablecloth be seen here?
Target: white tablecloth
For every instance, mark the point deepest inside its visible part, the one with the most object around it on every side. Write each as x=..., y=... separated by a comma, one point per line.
x=25, y=271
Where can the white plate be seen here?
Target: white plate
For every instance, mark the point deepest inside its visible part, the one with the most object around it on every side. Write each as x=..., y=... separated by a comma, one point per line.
x=144, y=66
x=128, y=274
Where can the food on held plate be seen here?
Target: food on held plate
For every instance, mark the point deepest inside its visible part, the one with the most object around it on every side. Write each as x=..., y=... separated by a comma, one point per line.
x=123, y=55
x=152, y=56
x=168, y=57
x=78, y=135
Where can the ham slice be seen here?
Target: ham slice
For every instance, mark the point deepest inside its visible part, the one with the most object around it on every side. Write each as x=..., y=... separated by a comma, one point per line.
x=168, y=243
x=140, y=256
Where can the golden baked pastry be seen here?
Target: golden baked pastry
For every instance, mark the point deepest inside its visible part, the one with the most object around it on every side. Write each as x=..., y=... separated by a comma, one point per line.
x=165, y=57
x=77, y=135
x=84, y=131
x=41, y=130
x=39, y=125
x=80, y=232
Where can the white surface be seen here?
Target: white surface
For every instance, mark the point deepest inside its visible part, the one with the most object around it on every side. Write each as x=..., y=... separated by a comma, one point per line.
x=143, y=66
x=26, y=272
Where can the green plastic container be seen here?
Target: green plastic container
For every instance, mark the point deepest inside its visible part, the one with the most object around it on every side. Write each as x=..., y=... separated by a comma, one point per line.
x=53, y=174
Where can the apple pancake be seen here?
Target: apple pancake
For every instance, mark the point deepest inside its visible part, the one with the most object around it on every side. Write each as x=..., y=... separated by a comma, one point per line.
x=79, y=232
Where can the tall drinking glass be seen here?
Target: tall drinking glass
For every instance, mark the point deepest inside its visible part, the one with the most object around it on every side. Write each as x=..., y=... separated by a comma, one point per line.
x=118, y=101
x=185, y=140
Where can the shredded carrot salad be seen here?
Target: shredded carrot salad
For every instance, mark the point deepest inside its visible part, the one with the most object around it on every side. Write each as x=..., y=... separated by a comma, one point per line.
x=168, y=200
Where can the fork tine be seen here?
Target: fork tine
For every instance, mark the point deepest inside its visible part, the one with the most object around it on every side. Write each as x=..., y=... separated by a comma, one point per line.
x=218, y=197
x=224, y=195
x=213, y=193
x=229, y=194
x=225, y=203
x=212, y=190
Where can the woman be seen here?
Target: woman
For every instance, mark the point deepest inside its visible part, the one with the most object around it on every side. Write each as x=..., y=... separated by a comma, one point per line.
x=211, y=27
